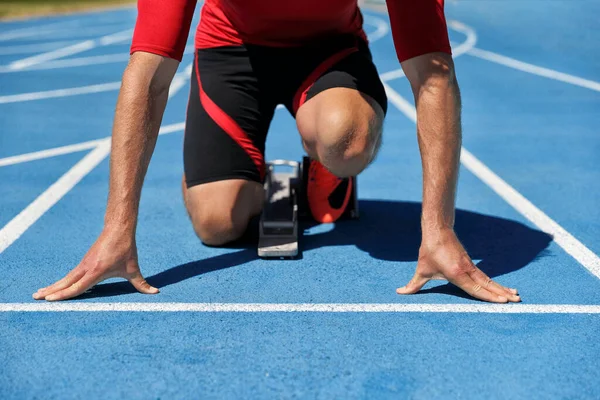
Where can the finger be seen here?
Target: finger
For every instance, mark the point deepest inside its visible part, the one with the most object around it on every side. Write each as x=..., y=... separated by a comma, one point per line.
x=466, y=283
x=414, y=285
x=61, y=284
x=486, y=282
x=138, y=282
x=77, y=288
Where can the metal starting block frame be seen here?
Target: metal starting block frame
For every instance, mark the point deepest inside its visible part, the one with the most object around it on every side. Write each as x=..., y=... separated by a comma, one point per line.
x=285, y=203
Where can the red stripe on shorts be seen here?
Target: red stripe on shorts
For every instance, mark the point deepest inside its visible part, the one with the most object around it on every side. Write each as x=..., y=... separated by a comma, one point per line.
x=300, y=96
x=231, y=127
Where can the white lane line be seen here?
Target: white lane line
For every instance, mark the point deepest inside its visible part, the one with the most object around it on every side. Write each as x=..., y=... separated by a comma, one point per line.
x=74, y=148
x=534, y=69
x=180, y=80
x=457, y=51
x=303, y=308
x=81, y=61
x=72, y=62
x=19, y=224
x=57, y=151
x=70, y=50
x=382, y=27
x=50, y=94
x=29, y=31
x=33, y=48
x=563, y=238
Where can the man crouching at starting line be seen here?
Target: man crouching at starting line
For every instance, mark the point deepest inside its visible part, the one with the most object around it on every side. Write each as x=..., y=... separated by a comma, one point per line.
x=313, y=57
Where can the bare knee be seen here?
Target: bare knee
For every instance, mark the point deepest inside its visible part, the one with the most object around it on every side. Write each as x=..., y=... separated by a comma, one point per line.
x=346, y=136
x=220, y=211
x=218, y=227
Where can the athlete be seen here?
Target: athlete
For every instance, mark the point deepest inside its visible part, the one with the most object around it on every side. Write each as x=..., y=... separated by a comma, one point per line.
x=313, y=57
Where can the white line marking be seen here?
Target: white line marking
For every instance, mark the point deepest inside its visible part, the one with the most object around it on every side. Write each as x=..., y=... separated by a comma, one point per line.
x=72, y=62
x=80, y=61
x=303, y=308
x=165, y=130
x=180, y=80
x=29, y=31
x=462, y=48
x=50, y=94
x=382, y=27
x=57, y=151
x=70, y=50
x=19, y=224
x=33, y=48
x=74, y=148
x=563, y=238
x=534, y=69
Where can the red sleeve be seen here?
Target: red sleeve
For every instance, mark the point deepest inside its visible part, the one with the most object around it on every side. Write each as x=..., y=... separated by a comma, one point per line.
x=163, y=26
x=418, y=27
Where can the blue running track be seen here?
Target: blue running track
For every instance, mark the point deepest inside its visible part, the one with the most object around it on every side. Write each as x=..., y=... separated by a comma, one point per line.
x=328, y=325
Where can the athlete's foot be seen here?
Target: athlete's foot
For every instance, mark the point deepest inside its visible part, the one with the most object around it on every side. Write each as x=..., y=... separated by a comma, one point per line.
x=328, y=195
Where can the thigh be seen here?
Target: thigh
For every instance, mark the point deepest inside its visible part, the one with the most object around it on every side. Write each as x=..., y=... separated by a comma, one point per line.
x=346, y=62
x=228, y=117
x=346, y=98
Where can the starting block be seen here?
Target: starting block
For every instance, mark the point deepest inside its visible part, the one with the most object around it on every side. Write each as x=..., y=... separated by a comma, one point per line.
x=285, y=204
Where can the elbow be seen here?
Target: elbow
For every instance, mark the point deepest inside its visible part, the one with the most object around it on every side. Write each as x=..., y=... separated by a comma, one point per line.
x=431, y=73
x=150, y=74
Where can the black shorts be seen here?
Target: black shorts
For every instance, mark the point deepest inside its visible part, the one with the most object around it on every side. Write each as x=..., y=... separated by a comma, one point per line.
x=234, y=92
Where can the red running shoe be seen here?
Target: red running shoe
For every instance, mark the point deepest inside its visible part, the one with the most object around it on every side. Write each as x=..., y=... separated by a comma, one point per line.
x=328, y=195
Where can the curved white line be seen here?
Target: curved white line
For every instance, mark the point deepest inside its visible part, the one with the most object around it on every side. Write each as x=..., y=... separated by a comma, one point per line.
x=464, y=47
x=382, y=26
x=469, y=42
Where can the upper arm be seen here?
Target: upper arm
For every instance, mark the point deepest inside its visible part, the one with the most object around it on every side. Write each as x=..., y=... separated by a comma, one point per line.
x=163, y=26
x=418, y=27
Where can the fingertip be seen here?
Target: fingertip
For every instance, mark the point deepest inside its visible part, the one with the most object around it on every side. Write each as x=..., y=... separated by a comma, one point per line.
x=153, y=290
x=517, y=299
x=51, y=298
x=36, y=296
x=514, y=291
x=502, y=299
x=402, y=290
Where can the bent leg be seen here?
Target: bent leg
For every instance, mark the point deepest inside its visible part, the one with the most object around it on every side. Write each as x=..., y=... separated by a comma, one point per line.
x=342, y=115
x=226, y=127
x=342, y=129
x=220, y=211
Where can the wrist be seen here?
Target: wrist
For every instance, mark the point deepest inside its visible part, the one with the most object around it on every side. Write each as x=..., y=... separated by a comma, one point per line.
x=125, y=229
x=436, y=236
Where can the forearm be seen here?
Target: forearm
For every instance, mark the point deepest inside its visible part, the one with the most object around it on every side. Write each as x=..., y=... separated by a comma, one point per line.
x=439, y=136
x=437, y=98
x=138, y=116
